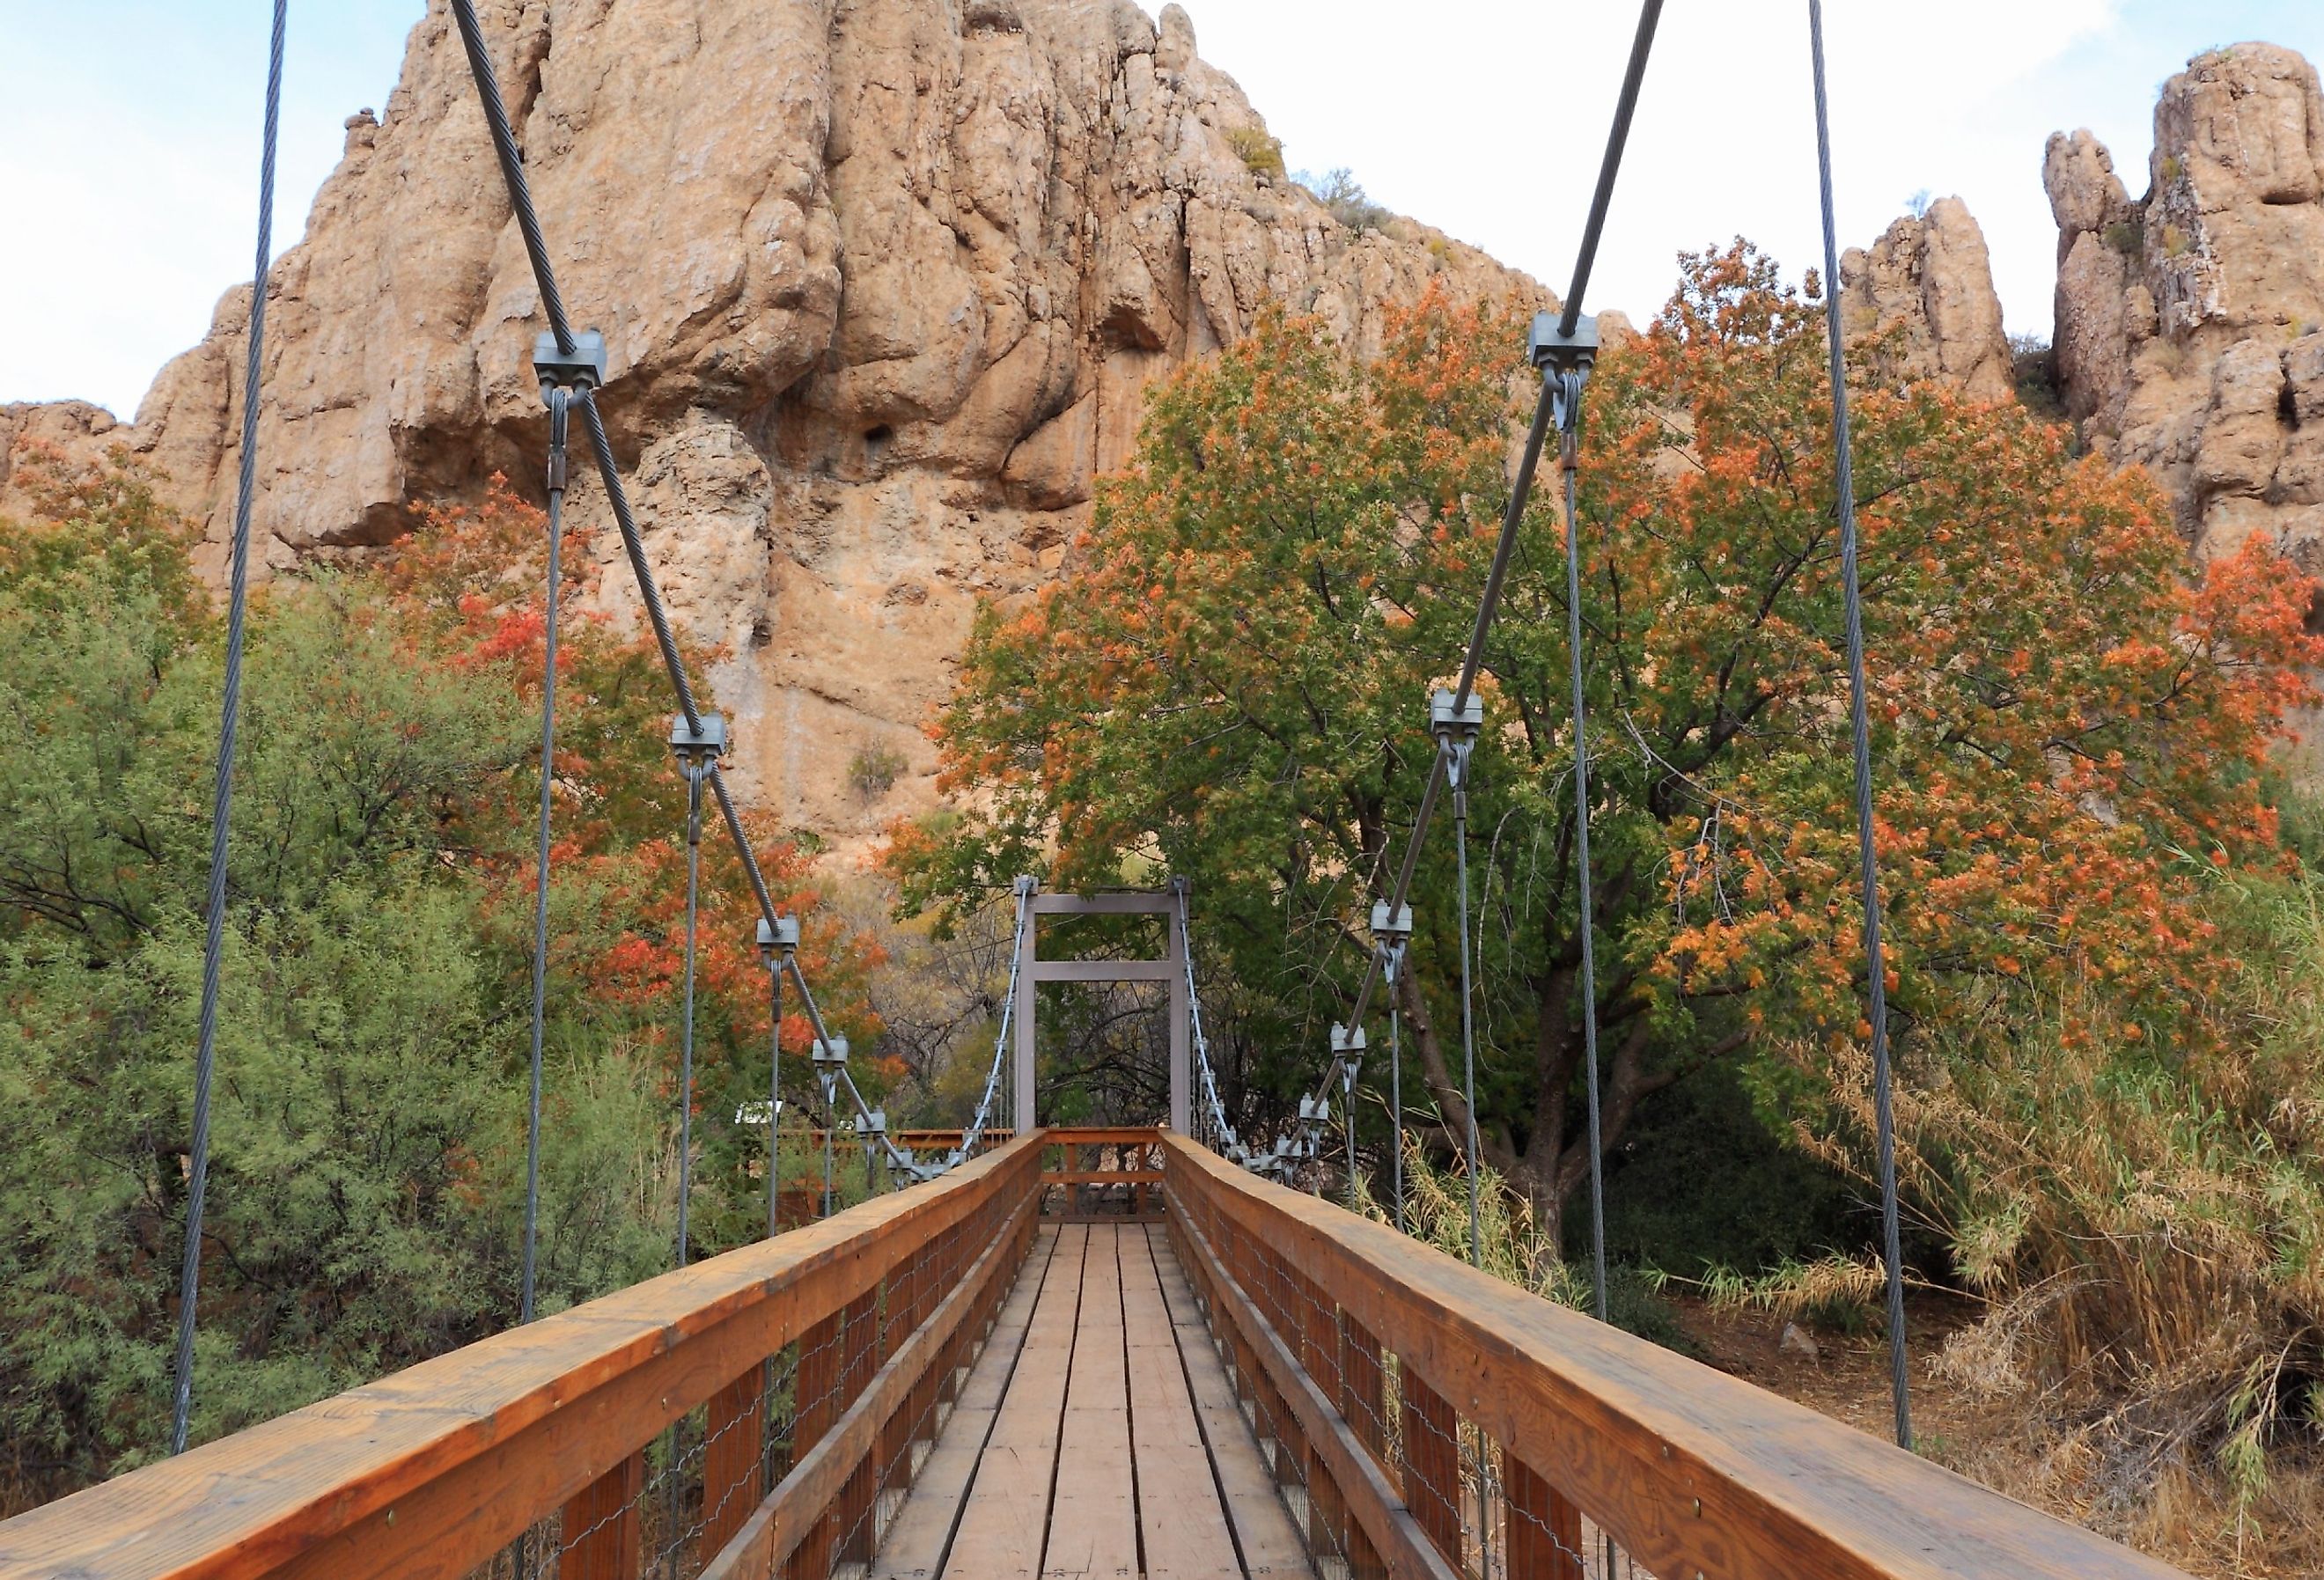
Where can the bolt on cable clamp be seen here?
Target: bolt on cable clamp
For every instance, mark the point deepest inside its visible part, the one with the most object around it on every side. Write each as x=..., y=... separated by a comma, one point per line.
x=1390, y=926
x=830, y=1056
x=697, y=748
x=582, y=368
x=779, y=940
x=1552, y=351
x=1458, y=725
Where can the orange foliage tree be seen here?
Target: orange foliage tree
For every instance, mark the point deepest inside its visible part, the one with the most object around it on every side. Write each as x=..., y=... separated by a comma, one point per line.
x=1231, y=681
x=468, y=585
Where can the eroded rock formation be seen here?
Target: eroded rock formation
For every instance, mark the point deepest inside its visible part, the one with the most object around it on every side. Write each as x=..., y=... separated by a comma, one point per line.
x=2190, y=320
x=1924, y=295
x=883, y=282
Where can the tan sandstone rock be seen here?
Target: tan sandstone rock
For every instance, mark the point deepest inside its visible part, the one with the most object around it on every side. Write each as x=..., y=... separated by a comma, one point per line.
x=883, y=283
x=2190, y=320
x=1923, y=295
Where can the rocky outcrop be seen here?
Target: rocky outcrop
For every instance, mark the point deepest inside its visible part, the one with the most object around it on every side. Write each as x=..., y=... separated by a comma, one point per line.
x=883, y=283
x=1922, y=300
x=2190, y=320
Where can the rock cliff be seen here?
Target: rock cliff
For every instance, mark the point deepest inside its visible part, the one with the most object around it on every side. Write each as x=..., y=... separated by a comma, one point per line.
x=2190, y=320
x=883, y=282
x=1923, y=294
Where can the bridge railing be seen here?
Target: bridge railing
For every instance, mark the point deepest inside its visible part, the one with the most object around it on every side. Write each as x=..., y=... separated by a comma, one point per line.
x=752, y=1414
x=1435, y=1423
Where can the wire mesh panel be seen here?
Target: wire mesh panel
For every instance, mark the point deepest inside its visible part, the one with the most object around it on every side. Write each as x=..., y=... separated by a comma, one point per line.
x=1383, y=1473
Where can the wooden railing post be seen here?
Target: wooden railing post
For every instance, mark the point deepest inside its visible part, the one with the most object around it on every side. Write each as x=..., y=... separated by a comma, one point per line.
x=601, y=1526
x=731, y=1458
x=1544, y=1531
x=816, y=1406
x=1432, y=1465
x=852, y=1537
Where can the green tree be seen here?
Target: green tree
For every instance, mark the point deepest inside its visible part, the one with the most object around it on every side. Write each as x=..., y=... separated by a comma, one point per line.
x=1232, y=685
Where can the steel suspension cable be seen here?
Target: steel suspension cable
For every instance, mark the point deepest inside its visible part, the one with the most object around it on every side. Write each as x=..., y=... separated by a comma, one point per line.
x=190, y=1280
x=559, y=402
x=1460, y=767
x=1391, y=967
x=1860, y=730
x=774, y=1102
x=1570, y=401
x=1521, y=486
x=1601, y=199
x=695, y=772
x=520, y=193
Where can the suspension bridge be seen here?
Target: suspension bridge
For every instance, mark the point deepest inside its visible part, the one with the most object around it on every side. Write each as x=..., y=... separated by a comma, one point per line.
x=1054, y=1353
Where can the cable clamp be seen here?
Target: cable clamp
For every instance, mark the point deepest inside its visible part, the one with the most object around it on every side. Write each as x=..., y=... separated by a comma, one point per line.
x=697, y=749
x=583, y=368
x=779, y=941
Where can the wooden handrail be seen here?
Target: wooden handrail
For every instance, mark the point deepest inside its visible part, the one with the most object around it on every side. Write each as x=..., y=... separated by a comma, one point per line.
x=433, y=1470
x=1693, y=1471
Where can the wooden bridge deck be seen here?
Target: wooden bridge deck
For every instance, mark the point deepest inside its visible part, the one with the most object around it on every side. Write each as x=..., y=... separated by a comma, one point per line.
x=1096, y=1439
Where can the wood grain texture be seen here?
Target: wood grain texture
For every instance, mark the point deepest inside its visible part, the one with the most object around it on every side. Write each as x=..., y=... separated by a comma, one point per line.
x=431, y=1471
x=1182, y=1526
x=1006, y=1520
x=915, y=1548
x=1688, y=1468
x=601, y=1528
x=813, y=1510
x=1268, y=1541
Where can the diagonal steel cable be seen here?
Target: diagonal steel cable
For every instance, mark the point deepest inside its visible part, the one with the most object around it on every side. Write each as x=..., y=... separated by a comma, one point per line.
x=519, y=193
x=189, y=1281
x=1521, y=486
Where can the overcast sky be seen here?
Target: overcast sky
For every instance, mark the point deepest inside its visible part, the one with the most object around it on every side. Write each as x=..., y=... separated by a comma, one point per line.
x=129, y=135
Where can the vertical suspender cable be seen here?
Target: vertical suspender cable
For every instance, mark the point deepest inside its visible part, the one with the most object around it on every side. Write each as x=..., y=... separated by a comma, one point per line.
x=1876, y=970
x=229, y=717
x=774, y=1102
x=1458, y=763
x=1391, y=967
x=696, y=768
x=1568, y=452
x=559, y=400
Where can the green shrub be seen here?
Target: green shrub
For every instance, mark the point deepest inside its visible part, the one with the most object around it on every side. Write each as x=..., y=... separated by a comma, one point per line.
x=874, y=771
x=1261, y=154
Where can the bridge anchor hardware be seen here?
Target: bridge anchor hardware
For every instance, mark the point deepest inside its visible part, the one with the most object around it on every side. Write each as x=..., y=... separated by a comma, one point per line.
x=778, y=942
x=1391, y=926
x=697, y=748
x=1456, y=726
x=582, y=368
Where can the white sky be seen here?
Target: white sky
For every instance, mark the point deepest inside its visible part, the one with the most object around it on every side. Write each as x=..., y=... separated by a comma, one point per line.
x=129, y=135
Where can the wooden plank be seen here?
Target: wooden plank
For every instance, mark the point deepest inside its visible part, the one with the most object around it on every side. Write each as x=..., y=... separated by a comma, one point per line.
x=914, y=1547
x=1102, y=1177
x=1007, y=1520
x=1268, y=1541
x=466, y=1450
x=1179, y=1516
x=1642, y=1438
x=791, y=1527
x=602, y=1524
x=1432, y=1463
x=1094, y=1518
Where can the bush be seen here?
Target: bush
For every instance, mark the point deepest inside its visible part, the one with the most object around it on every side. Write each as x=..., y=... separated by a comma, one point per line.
x=874, y=769
x=1261, y=154
x=1344, y=199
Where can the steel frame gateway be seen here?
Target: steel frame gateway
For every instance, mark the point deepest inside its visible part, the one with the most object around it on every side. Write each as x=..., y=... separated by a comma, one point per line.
x=1170, y=969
